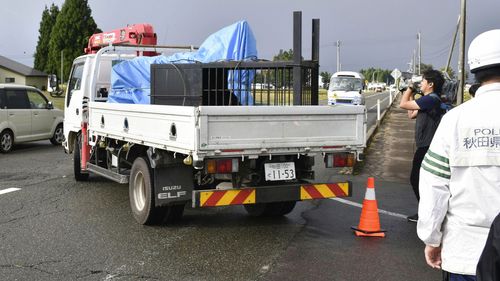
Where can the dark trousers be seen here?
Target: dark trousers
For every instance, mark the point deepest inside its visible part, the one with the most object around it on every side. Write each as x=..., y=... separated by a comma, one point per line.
x=488, y=267
x=415, y=170
x=457, y=277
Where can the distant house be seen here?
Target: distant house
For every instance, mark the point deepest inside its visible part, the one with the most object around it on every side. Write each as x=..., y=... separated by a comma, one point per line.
x=14, y=72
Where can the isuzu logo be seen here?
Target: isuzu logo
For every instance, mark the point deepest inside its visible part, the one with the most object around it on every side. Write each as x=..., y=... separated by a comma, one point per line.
x=171, y=195
x=171, y=187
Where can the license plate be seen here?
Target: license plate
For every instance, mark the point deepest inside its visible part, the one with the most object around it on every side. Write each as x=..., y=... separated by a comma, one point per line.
x=279, y=171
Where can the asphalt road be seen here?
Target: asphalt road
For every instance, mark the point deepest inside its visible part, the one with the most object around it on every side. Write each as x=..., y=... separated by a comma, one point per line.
x=371, y=100
x=54, y=228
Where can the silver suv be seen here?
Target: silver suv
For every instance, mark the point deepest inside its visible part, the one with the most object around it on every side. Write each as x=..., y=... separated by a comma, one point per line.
x=27, y=115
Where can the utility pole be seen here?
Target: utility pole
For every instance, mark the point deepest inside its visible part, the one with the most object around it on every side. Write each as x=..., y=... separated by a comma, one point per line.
x=414, y=67
x=297, y=58
x=452, y=47
x=419, y=37
x=461, y=57
x=62, y=65
x=338, y=55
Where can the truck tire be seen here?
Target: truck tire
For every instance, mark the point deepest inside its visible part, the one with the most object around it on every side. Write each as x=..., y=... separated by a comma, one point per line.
x=283, y=208
x=6, y=141
x=172, y=213
x=77, y=163
x=273, y=209
x=58, y=136
x=141, y=194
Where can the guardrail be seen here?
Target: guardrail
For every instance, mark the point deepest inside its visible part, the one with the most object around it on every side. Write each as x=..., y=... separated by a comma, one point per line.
x=381, y=115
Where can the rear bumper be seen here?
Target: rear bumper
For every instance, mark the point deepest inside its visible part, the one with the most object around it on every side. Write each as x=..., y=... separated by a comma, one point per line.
x=346, y=101
x=268, y=194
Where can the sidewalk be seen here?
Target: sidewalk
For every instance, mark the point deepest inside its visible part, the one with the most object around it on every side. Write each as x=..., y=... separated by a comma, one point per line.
x=390, y=153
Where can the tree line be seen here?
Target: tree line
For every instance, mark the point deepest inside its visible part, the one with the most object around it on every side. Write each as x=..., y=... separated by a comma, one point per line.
x=63, y=34
x=371, y=74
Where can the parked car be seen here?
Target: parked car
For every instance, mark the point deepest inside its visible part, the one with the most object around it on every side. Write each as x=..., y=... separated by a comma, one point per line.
x=27, y=115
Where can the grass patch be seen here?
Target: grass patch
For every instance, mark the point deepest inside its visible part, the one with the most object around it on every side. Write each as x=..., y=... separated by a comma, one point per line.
x=322, y=94
x=58, y=102
x=280, y=96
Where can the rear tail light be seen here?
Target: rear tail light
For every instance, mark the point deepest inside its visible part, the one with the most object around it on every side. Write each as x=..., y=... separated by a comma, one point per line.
x=339, y=160
x=222, y=166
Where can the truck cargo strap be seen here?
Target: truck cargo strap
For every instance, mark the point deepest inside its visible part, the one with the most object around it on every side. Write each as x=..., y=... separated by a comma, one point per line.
x=267, y=194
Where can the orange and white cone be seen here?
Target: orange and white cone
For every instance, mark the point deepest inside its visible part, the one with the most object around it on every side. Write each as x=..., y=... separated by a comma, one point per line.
x=369, y=221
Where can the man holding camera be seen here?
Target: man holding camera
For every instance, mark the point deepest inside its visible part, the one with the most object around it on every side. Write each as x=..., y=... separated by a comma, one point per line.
x=428, y=113
x=460, y=175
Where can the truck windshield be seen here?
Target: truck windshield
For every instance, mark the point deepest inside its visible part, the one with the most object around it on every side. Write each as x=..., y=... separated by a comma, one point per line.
x=346, y=84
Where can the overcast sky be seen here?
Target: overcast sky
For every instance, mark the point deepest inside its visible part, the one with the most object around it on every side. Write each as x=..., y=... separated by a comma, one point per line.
x=378, y=33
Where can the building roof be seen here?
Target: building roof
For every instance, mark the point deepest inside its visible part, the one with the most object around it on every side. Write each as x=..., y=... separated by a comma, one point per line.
x=20, y=68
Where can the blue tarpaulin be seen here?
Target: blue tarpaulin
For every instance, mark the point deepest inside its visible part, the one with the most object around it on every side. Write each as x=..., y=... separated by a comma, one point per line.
x=130, y=80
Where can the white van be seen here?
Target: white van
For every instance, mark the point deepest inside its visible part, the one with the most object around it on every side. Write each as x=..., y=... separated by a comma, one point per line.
x=346, y=87
x=27, y=115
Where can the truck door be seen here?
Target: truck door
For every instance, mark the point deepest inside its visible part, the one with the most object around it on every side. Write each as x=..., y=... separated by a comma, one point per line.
x=42, y=118
x=74, y=99
x=19, y=112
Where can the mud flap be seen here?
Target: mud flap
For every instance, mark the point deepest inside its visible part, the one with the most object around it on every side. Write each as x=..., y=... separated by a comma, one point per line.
x=173, y=184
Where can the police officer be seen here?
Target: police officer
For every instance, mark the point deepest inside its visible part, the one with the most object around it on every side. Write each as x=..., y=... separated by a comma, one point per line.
x=460, y=174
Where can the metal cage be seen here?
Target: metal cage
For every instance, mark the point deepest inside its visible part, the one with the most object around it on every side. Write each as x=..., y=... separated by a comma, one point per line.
x=233, y=83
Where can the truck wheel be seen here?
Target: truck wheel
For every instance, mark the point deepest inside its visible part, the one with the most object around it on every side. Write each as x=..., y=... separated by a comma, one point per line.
x=173, y=213
x=141, y=194
x=58, y=136
x=77, y=163
x=270, y=209
x=283, y=208
x=6, y=141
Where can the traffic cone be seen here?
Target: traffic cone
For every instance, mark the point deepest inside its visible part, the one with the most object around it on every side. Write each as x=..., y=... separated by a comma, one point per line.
x=369, y=222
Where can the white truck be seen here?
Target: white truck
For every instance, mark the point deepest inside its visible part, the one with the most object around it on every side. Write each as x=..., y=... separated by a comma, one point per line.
x=259, y=156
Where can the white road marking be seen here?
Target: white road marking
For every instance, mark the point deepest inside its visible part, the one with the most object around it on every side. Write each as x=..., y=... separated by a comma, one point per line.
x=7, y=190
x=376, y=104
x=376, y=95
x=361, y=206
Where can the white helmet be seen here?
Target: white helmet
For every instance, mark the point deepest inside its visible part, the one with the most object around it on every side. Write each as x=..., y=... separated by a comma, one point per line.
x=484, y=51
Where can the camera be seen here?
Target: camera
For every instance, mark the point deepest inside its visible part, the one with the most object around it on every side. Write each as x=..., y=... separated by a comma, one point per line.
x=415, y=86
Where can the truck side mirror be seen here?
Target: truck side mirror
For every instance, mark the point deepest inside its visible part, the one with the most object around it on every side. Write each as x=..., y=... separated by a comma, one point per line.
x=50, y=105
x=53, y=81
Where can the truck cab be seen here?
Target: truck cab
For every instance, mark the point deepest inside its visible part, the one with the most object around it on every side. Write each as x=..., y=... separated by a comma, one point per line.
x=346, y=87
x=89, y=81
x=80, y=87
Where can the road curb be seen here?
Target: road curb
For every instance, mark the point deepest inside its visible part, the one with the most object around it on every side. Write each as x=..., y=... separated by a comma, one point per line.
x=371, y=132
